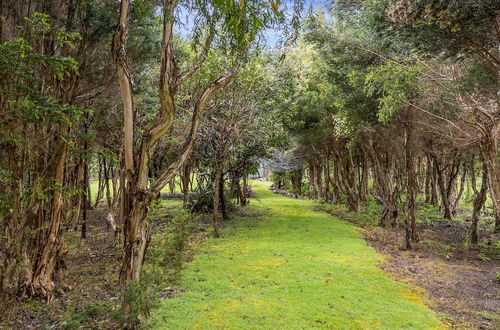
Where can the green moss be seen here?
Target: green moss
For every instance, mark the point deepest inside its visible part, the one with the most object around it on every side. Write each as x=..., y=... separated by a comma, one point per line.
x=291, y=268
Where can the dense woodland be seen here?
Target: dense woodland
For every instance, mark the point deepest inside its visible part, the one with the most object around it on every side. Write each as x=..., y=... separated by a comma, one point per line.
x=109, y=109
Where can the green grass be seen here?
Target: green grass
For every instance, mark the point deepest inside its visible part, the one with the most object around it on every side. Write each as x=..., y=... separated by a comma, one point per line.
x=290, y=268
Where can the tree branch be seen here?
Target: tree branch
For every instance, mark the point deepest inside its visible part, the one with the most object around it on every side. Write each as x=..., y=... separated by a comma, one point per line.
x=192, y=70
x=125, y=80
x=199, y=108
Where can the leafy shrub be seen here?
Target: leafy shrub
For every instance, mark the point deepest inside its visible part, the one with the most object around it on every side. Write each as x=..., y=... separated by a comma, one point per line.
x=139, y=297
x=169, y=244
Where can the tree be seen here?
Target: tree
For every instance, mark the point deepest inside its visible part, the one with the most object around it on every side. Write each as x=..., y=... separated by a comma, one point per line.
x=241, y=22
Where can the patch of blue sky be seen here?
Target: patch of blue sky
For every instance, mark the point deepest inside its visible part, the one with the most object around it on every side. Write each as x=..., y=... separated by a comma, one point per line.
x=270, y=38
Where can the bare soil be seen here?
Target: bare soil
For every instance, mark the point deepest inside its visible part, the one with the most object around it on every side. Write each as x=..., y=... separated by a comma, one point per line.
x=88, y=290
x=461, y=281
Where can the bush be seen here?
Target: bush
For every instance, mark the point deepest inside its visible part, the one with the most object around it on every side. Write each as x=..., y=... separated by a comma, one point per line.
x=169, y=244
x=140, y=297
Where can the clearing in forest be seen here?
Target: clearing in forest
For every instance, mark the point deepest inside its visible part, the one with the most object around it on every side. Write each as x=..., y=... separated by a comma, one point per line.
x=293, y=268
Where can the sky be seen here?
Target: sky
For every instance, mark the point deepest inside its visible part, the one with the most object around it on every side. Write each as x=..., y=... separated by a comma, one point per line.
x=271, y=37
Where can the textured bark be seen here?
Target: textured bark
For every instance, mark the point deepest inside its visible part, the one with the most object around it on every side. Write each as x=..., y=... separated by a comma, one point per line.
x=137, y=236
x=347, y=183
x=428, y=180
x=478, y=204
x=223, y=205
x=85, y=198
x=216, y=198
x=446, y=179
x=411, y=223
x=326, y=181
x=185, y=180
x=244, y=190
x=364, y=178
x=489, y=151
x=53, y=245
x=385, y=191
x=138, y=193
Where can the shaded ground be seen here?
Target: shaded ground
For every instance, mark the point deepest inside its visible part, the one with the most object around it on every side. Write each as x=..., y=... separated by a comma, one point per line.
x=462, y=281
x=290, y=268
x=88, y=296
x=89, y=289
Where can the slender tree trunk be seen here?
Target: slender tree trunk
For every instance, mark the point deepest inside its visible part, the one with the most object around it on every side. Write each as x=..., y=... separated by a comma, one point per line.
x=445, y=192
x=80, y=184
x=489, y=151
x=101, y=185
x=434, y=183
x=185, y=178
x=364, y=179
x=335, y=184
x=216, y=215
x=348, y=184
x=107, y=176
x=223, y=205
x=478, y=205
x=326, y=181
x=244, y=200
x=312, y=180
x=137, y=236
x=411, y=225
x=86, y=198
x=318, y=182
x=51, y=249
x=428, y=181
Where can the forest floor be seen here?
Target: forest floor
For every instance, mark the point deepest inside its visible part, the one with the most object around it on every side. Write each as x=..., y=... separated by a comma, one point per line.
x=282, y=263
x=287, y=266
x=461, y=280
x=89, y=287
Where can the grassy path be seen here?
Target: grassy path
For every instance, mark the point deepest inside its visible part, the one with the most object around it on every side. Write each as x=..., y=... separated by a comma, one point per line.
x=292, y=268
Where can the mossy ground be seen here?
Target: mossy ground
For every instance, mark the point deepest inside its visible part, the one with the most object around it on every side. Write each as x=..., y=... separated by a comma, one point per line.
x=293, y=268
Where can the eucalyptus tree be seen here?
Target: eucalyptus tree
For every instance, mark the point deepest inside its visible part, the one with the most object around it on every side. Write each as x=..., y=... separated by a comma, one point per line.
x=229, y=25
x=240, y=129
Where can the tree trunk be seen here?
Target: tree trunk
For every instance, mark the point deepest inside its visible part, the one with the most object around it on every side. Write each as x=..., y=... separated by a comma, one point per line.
x=216, y=216
x=245, y=189
x=136, y=233
x=101, y=184
x=489, y=152
x=223, y=205
x=447, y=188
x=336, y=198
x=80, y=184
x=347, y=183
x=364, y=179
x=428, y=180
x=107, y=176
x=50, y=251
x=478, y=205
x=326, y=181
x=185, y=180
x=434, y=183
x=312, y=180
x=86, y=198
x=411, y=224
x=318, y=182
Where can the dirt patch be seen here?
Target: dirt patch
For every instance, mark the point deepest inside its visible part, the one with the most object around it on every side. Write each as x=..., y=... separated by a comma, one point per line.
x=461, y=281
x=88, y=296
x=89, y=286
